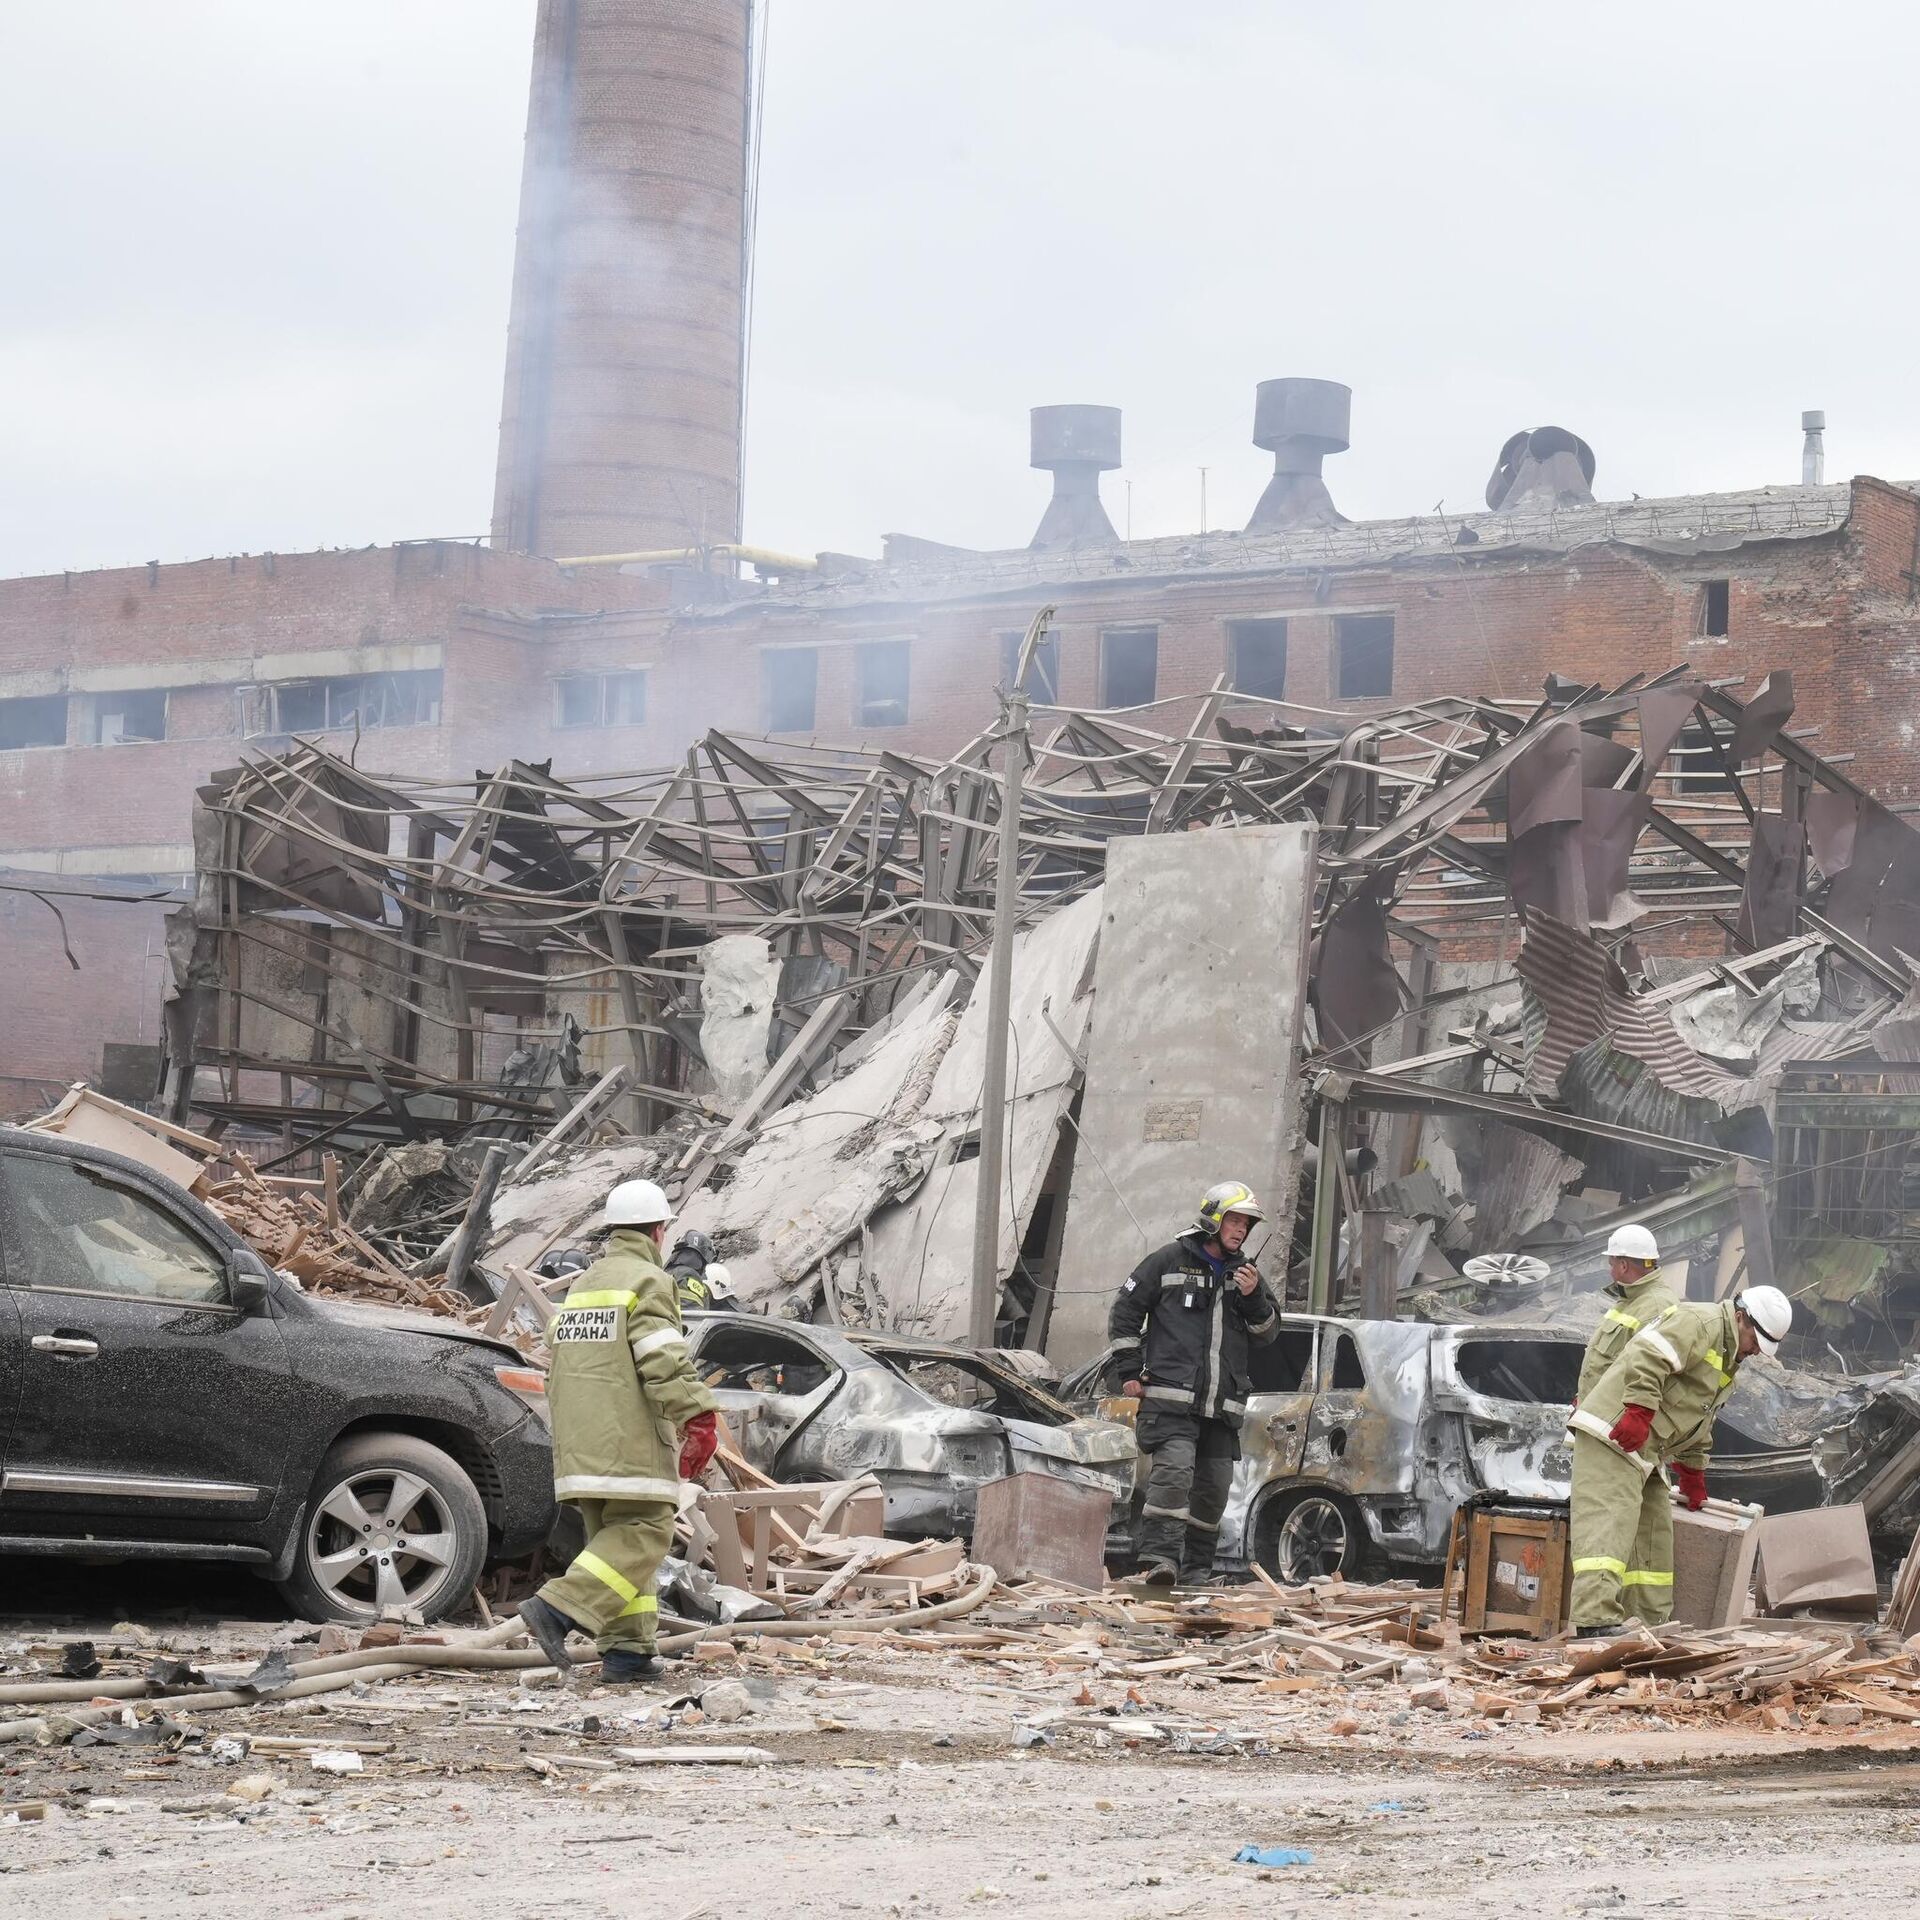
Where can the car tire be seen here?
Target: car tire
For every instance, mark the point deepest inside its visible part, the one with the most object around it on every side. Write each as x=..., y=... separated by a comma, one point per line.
x=393, y=1523
x=1314, y=1534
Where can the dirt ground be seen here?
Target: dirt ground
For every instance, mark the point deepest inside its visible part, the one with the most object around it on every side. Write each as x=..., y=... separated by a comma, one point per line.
x=904, y=1784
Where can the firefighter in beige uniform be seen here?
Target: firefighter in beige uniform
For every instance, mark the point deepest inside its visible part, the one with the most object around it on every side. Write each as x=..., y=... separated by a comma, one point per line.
x=1639, y=1298
x=631, y=1420
x=1655, y=1407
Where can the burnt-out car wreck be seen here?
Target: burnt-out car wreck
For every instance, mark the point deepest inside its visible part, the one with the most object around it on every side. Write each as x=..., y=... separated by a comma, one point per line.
x=1363, y=1437
x=932, y=1423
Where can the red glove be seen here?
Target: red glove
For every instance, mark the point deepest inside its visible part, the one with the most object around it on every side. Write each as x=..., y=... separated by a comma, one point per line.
x=1629, y=1432
x=699, y=1442
x=1692, y=1482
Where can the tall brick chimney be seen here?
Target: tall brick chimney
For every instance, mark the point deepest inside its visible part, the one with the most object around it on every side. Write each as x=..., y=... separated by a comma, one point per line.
x=620, y=428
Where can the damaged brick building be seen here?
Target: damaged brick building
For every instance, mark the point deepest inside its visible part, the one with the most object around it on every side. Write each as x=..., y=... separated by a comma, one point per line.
x=122, y=690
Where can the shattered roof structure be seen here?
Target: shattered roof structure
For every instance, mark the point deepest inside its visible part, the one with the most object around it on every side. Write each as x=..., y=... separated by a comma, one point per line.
x=371, y=960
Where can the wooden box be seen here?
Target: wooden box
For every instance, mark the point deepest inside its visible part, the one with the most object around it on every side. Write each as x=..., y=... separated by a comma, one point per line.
x=1519, y=1570
x=1031, y=1526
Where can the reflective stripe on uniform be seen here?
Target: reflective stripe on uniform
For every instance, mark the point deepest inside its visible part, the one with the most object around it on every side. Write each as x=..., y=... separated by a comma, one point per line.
x=606, y=1575
x=1167, y=1513
x=1233, y=1406
x=615, y=1486
x=604, y=1297
x=1260, y=1326
x=640, y=1603
x=1600, y=1564
x=1625, y=1319
x=653, y=1342
x=1720, y=1367
x=1119, y=1344
x=1642, y=1577
x=1182, y=1396
x=1661, y=1345
x=1581, y=1421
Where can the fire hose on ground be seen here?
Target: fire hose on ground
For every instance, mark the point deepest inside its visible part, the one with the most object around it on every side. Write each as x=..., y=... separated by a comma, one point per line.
x=485, y=1652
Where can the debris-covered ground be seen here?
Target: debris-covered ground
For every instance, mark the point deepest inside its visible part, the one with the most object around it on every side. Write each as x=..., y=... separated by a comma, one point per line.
x=1059, y=1762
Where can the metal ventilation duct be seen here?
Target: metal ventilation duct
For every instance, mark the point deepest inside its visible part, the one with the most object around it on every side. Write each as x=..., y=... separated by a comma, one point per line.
x=1299, y=422
x=1548, y=467
x=1077, y=445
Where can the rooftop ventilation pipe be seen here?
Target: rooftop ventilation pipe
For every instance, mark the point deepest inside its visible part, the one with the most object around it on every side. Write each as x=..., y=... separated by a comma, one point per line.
x=1077, y=445
x=1299, y=422
x=1813, y=452
x=1548, y=467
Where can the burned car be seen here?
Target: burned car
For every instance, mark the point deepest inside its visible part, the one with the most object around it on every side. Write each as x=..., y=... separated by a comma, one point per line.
x=1363, y=1436
x=931, y=1423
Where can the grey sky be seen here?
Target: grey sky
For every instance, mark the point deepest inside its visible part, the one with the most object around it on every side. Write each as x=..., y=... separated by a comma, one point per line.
x=256, y=256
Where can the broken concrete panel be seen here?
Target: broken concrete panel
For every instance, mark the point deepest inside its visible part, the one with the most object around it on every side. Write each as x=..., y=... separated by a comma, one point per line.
x=789, y=1190
x=923, y=1249
x=1199, y=990
x=739, y=983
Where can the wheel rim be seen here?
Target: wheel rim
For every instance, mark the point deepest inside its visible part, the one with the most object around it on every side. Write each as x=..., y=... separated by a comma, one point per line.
x=1313, y=1540
x=381, y=1539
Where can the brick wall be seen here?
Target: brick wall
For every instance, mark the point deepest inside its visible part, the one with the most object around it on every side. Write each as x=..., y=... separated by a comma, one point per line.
x=1837, y=609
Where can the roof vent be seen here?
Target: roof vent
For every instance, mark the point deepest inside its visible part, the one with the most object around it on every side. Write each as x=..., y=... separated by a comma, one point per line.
x=1299, y=422
x=1077, y=445
x=1548, y=467
x=1813, y=450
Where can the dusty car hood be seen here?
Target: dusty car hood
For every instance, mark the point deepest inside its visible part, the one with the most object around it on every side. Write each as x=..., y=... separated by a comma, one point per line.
x=360, y=1313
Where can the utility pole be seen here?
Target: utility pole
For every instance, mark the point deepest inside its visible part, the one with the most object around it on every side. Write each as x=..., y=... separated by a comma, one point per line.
x=984, y=1304
x=1203, y=499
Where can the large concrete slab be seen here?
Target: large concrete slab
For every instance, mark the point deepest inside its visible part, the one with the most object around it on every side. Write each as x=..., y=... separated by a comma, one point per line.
x=1192, y=1062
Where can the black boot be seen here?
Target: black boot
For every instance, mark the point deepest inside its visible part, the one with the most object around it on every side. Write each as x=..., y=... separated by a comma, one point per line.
x=550, y=1627
x=621, y=1666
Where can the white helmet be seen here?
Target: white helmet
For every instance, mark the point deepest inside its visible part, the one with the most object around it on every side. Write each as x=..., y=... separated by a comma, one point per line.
x=1633, y=1243
x=719, y=1281
x=636, y=1203
x=1770, y=1312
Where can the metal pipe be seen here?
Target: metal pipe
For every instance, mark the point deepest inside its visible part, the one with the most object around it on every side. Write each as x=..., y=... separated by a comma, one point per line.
x=767, y=557
x=1014, y=726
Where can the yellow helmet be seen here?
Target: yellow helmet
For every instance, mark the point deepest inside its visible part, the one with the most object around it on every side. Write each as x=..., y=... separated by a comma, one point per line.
x=1230, y=1196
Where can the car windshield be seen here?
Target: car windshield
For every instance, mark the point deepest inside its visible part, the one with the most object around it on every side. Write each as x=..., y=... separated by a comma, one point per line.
x=956, y=1380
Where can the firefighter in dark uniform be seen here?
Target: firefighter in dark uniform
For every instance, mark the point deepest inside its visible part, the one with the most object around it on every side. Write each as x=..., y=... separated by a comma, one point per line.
x=687, y=1267
x=1181, y=1326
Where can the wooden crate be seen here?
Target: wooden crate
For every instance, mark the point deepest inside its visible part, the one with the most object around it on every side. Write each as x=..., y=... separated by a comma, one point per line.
x=1519, y=1570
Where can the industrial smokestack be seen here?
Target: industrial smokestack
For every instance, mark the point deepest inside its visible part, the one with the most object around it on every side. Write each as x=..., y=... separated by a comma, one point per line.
x=1077, y=445
x=1299, y=422
x=1813, y=451
x=1547, y=467
x=621, y=424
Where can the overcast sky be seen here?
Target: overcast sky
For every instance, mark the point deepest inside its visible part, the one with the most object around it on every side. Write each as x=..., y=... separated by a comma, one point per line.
x=254, y=256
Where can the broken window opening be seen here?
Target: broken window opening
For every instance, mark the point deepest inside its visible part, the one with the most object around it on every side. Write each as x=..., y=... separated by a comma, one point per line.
x=120, y=719
x=1697, y=768
x=1539, y=1372
x=1257, y=657
x=789, y=682
x=882, y=672
x=347, y=701
x=1285, y=1364
x=1363, y=655
x=38, y=720
x=1347, y=1370
x=749, y=1359
x=1042, y=683
x=1717, y=609
x=1129, y=666
x=600, y=700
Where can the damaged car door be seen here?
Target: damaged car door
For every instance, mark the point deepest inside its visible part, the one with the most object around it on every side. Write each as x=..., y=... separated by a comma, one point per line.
x=770, y=1383
x=115, y=1290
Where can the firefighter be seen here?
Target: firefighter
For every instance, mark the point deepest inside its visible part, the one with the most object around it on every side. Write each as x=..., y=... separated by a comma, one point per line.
x=631, y=1421
x=1653, y=1408
x=688, y=1264
x=1180, y=1327
x=1638, y=1293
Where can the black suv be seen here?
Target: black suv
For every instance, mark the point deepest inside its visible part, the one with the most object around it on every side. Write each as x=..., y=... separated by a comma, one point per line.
x=164, y=1394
